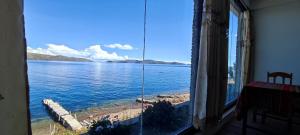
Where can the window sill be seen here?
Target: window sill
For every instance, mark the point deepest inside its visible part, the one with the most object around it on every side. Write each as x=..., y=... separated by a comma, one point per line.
x=228, y=112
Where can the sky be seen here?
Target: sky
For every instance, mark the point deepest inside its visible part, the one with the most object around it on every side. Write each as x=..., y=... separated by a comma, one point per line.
x=232, y=39
x=110, y=29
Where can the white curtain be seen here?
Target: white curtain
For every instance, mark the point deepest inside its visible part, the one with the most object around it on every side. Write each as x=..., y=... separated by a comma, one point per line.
x=245, y=44
x=201, y=80
x=198, y=6
x=211, y=77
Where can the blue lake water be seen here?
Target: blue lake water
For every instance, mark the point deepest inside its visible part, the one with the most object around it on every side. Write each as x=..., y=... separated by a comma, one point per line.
x=80, y=85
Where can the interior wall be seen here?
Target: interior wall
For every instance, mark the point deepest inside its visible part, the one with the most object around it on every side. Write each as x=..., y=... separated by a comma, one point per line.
x=258, y=4
x=13, y=105
x=276, y=38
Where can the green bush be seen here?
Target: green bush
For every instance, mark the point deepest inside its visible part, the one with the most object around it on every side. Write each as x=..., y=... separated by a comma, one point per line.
x=107, y=130
x=162, y=116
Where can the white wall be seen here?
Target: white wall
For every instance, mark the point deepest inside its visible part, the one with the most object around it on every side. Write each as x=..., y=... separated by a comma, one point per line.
x=13, y=110
x=276, y=38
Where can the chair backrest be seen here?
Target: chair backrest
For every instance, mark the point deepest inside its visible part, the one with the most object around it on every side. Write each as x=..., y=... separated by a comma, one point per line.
x=283, y=75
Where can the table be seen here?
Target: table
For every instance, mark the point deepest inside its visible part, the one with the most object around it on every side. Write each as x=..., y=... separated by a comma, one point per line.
x=275, y=97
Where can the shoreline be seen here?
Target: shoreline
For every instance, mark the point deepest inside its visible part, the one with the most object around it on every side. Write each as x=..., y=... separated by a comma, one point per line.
x=118, y=111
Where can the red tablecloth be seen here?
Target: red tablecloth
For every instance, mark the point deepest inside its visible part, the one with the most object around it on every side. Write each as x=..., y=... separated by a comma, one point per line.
x=272, y=86
x=275, y=97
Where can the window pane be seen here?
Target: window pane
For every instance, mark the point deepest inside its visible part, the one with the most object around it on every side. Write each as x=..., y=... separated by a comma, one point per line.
x=232, y=90
x=169, y=34
x=86, y=56
x=79, y=56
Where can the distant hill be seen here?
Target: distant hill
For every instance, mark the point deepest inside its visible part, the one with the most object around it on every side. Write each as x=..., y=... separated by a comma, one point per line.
x=36, y=56
x=146, y=62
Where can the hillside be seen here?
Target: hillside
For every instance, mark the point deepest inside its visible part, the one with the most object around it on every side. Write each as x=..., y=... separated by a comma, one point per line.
x=146, y=62
x=35, y=56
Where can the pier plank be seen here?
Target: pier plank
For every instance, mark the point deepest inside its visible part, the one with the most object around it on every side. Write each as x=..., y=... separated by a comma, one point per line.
x=63, y=116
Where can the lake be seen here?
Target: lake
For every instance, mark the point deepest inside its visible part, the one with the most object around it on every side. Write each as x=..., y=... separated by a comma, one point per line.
x=81, y=85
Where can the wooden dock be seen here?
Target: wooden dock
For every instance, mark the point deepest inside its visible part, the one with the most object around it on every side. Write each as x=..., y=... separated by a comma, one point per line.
x=63, y=116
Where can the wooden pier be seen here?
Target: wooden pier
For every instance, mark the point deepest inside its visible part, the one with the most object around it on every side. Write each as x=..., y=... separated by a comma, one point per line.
x=63, y=116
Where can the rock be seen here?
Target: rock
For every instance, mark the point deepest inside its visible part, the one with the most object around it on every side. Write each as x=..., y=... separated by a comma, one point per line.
x=139, y=100
x=165, y=96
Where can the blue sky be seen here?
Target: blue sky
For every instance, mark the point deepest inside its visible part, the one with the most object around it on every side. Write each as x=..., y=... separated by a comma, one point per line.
x=110, y=29
x=232, y=40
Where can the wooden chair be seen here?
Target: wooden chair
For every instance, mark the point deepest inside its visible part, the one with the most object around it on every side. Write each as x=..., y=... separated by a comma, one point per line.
x=274, y=76
x=283, y=76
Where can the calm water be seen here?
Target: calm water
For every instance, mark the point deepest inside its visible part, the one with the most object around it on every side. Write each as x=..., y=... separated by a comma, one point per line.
x=81, y=85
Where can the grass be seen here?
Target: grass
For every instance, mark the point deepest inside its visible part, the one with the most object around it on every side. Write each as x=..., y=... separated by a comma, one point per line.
x=60, y=130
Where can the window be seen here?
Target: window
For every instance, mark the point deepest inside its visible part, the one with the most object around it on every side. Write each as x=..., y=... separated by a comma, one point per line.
x=233, y=51
x=169, y=35
x=86, y=56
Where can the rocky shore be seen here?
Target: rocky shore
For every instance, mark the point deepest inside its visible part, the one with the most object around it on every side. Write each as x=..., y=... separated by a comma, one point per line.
x=127, y=113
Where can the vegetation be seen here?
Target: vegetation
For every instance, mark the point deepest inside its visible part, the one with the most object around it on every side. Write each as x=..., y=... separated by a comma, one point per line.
x=105, y=127
x=162, y=116
x=58, y=129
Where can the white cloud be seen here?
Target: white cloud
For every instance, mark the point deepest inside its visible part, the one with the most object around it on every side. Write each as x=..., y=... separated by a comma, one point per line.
x=94, y=52
x=120, y=46
x=39, y=50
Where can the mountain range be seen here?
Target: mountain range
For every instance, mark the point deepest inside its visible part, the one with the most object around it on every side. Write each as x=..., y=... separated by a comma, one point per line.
x=146, y=62
x=36, y=56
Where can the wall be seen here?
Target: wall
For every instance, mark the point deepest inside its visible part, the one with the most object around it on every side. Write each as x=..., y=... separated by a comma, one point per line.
x=13, y=108
x=276, y=37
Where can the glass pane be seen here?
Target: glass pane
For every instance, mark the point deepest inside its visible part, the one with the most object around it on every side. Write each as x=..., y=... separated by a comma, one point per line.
x=167, y=84
x=86, y=58
x=232, y=91
x=79, y=56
